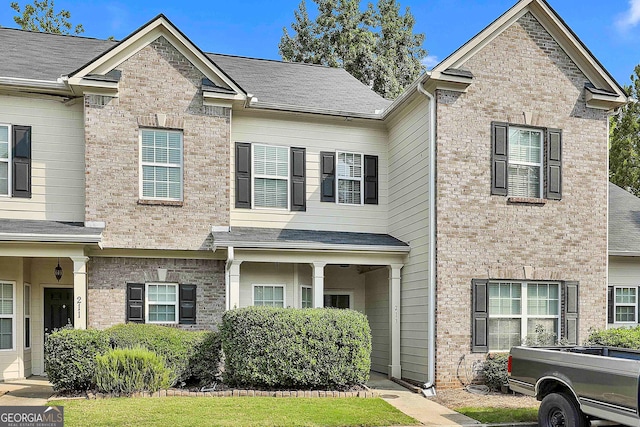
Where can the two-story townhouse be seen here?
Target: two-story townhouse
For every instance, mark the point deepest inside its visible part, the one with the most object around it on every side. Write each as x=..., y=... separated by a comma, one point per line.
x=171, y=185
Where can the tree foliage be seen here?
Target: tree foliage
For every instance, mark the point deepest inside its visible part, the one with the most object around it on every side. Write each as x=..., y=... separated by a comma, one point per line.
x=624, y=151
x=41, y=16
x=376, y=45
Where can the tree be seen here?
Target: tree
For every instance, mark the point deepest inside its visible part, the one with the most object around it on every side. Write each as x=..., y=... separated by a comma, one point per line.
x=624, y=150
x=376, y=45
x=40, y=16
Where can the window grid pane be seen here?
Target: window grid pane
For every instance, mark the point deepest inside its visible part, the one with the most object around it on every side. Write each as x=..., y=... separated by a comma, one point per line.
x=542, y=299
x=505, y=299
x=272, y=296
x=161, y=164
x=625, y=314
x=349, y=192
x=504, y=333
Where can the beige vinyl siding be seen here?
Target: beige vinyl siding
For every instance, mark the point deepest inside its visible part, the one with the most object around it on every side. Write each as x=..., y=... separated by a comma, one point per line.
x=624, y=271
x=57, y=159
x=409, y=222
x=315, y=134
x=377, y=311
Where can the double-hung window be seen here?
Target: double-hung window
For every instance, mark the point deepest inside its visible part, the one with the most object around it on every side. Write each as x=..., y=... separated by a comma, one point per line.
x=269, y=295
x=15, y=160
x=7, y=315
x=518, y=310
x=349, y=176
x=306, y=297
x=161, y=164
x=626, y=304
x=162, y=303
x=271, y=176
x=352, y=176
x=525, y=162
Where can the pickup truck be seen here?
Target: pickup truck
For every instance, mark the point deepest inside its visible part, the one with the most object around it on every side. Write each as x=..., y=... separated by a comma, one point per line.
x=578, y=384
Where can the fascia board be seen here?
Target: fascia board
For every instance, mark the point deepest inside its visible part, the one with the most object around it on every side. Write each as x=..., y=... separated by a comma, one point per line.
x=313, y=246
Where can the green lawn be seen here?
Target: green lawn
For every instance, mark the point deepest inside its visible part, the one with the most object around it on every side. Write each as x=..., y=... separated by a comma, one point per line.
x=231, y=411
x=499, y=415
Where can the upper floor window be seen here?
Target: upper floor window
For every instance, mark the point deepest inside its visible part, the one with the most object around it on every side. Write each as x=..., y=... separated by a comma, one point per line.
x=161, y=164
x=15, y=160
x=353, y=176
x=349, y=178
x=271, y=176
x=526, y=162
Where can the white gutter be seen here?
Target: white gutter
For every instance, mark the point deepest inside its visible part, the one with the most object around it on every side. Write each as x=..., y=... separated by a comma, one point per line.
x=227, y=276
x=63, y=238
x=33, y=84
x=428, y=389
x=313, y=246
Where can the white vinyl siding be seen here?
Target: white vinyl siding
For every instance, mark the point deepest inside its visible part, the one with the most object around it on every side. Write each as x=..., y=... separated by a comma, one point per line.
x=161, y=303
x=7, y=316
x=626, y=304
x=5, y=159
x=517, y=309
x=525, y=162
x=271, y=176
x=161, y=164
x=349, y=175
x=269, y=295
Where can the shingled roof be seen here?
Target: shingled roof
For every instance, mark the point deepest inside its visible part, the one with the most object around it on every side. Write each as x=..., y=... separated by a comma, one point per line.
x=624, y=222
x=46, y=57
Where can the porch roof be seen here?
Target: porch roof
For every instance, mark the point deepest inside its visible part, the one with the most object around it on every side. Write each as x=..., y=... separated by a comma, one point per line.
x=27, y=230
x=276, y=238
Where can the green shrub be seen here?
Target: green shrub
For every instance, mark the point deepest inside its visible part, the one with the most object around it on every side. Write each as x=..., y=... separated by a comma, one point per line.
x=295, y=348
x=616, y=337
x=128, y=370
x=182, y=350
x=494, y=370
x=69, y=357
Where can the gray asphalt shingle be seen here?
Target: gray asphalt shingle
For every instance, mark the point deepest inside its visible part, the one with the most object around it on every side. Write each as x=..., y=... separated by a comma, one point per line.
x=52, y=229
x=624, y=220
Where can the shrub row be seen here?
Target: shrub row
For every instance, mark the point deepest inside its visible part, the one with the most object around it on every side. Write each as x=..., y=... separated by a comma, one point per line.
x=269, y=347
x=616, y=337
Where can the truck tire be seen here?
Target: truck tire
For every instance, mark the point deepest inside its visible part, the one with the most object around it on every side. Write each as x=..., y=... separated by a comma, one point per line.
x=560, y=410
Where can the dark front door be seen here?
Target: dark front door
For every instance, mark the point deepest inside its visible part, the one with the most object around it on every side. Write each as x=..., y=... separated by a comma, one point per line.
x=58, y=308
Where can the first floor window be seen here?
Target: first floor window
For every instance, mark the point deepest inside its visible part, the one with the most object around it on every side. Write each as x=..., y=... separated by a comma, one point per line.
x=307, y=297
x=349, y=178
x=161, y=164
x=6, y=316
x=271, y=176
x=269, y=295
x=162, y=301
x=625, y=304
x=337, y=300
x=519, y=311
x=27, y=316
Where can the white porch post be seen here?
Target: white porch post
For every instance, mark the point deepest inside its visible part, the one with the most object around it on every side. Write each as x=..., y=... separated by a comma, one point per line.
x=318, y=284
x=234, y=285
x=394, y=320
x=80, y=292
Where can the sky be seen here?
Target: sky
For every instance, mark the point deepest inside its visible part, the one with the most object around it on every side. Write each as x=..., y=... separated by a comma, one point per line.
x=253, y=28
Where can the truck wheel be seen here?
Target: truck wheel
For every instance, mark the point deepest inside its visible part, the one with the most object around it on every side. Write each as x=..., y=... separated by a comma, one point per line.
x=560, y=410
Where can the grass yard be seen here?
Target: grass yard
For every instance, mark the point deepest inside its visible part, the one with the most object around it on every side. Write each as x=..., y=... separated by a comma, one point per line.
x=231, y=411
x=488, y=415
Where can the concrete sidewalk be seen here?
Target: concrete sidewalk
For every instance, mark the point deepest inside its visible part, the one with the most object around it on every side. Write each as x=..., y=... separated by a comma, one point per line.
x=416, y=405
x=33, y=391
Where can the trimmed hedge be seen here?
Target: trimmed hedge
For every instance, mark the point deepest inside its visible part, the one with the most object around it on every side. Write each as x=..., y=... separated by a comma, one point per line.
x=128, y=370
x=193, y=356
x=290, y=348
x=616, y=337
x=70, y=357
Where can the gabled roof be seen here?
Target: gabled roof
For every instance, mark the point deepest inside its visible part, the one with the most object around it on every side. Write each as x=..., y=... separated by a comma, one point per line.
x=624, y=222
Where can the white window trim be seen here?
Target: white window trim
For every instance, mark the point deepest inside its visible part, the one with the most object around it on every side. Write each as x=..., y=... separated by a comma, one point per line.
x=361, y=180
x=12, y=317
x=284, y=292
x=616, y=305
x=255, y=176
x=141, y=163
x=306, y=287
x=524, y=315
x=340, y=293
x=147, y=303
x=27, y=316
x=542, y=155
x=9, y=159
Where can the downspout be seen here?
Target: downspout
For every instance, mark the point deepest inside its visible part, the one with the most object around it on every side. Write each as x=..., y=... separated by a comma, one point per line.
x=428, y=388
x=227, y=277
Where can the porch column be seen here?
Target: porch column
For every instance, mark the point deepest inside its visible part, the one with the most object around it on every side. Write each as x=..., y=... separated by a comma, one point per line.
x=234, y=285
x=80, y=292
x=394, y=320
x=318, y=284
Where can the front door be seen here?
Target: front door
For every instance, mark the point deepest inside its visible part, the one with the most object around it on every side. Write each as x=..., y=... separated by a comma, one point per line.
x=58, y=308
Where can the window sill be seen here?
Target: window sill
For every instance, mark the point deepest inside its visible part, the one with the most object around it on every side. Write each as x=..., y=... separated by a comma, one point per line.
x=526, y=201
x=177, y=203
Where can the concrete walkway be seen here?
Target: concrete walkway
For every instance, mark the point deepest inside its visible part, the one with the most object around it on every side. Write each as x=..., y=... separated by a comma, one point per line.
x=416, y=405
x=33, y=391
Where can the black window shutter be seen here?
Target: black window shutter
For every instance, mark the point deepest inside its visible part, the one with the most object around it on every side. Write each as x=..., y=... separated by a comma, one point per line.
x=480, y=320
x=135, y=302
x=328, y=175
x=243, y=175
x=611, y=315
x=188, y=304
x=298, y=180
x=554, y=164
x=21, y=161
x=570, y=312
x=499, y=158
x=370, y=180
